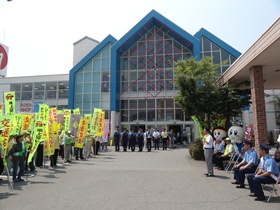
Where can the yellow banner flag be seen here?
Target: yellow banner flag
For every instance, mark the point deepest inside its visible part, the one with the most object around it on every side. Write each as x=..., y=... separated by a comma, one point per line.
x=101, y=124
x=16, y=127
x=88, y=119
x=32, y=122
x=39, y=130
x=95, y=121
x=25, y=122
x=6, y=124
x=76, y=111
x=83, y=126
x=43, y=113
x=9, y=98
x=66, y=119
x=1, y=109
x=52, y=133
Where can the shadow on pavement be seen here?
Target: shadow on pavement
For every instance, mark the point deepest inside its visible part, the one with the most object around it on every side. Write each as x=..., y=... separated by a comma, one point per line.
x=6, y=195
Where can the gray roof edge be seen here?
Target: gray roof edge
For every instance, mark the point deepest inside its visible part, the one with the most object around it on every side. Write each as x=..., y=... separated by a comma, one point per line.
x=85, y=37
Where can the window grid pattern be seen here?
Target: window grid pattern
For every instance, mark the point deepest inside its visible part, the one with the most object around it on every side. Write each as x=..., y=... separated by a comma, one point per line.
x=46, y=92
x=92, y=83
x=147, y=78
x=217, y=54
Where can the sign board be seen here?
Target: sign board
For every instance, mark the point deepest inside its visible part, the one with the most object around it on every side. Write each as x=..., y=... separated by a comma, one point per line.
x=3, y=60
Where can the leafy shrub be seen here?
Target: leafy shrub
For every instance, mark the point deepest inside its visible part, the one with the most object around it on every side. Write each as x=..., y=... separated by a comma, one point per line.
x=196, y=150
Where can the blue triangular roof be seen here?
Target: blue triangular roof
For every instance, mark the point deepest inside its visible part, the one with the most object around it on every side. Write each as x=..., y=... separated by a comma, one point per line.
x=217, y=41
x=84, y=61
x=153, y=18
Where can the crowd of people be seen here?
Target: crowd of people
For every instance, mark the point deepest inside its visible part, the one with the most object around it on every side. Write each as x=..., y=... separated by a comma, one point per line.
x=144, y=139
x=19, y=146
x=246, y=163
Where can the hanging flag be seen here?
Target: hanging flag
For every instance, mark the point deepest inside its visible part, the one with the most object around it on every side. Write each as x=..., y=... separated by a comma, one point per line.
x=106, y=130
x=76, y=111
x=81, y=133
x=32, y=122
x=1, y=109
x=66, y=119
x=52, y=133
x=25, y=122
x=74, y=125
x=95, y=121
x=88, y=118
x=101, y=124
x=43, y=113
x=9, y=98
x=6, y=124
x=39, y=130
x=16, y=127
x=199, y=128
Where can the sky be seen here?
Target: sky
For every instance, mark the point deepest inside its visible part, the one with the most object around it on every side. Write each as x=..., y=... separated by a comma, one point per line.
x=40, y=33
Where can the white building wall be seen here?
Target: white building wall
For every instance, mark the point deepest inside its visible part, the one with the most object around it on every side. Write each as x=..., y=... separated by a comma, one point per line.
x=82, y=48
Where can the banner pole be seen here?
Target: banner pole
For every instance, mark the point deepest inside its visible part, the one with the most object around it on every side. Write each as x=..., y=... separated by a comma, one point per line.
x=44, y=155
x=8, y=178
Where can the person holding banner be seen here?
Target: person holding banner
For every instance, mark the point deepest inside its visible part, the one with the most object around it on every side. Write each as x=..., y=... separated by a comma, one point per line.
x=27, y=141
x=11, y=142
x=67, y=146
x=88, y=146
x=17, y=156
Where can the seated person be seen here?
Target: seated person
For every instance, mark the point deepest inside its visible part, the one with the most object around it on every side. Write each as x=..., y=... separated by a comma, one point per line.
x=267, y=173
x=229, y=150
x=218, y=150
x=248, y=165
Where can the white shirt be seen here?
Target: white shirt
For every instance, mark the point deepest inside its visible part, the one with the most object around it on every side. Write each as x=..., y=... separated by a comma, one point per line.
x=209, y=141
x=156, y=134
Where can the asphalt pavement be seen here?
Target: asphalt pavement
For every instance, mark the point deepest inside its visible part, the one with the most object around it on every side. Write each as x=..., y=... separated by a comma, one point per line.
x=130, y=180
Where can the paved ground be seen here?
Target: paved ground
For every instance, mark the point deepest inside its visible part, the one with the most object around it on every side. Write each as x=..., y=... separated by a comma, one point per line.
x=157, y=180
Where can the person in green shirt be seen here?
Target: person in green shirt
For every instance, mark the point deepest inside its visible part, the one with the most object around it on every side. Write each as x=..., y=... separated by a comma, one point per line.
x=67, y=146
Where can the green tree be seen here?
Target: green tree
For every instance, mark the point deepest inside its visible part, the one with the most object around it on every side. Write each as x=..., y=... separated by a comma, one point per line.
x=198, y=95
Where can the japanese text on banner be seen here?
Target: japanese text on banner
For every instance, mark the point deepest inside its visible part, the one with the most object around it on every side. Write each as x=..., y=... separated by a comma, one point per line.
x=83, y=126
x=9, y=98
x=95, y=121
x=66, y=119
x=39, y=130
x=6, y=124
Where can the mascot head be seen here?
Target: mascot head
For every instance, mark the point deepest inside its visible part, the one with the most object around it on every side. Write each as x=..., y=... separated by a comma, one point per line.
x=236, y=134
x=219, y=133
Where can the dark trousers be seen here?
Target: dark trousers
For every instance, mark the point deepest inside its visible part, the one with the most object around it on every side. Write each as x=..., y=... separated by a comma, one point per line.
x=124, y=144
x=17, y=164
x=149, y=144
x=31, y=164
x=132, y=145
x=140, y=145
x=156, y=144
x=117, y=145
x=220, y=161
x=40, y=155
x=61, y=151
x=96, y=148
x=239, y=175
x=53, y=158
x=1, y=165
x=78, y=151
x=215, y=157
x=255, y=183
x=164, y=143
